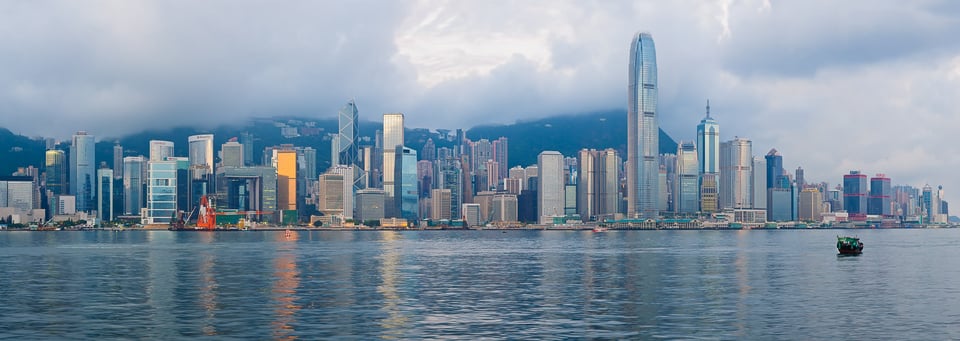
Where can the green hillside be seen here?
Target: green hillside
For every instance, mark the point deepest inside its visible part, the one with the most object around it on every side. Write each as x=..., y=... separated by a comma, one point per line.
x=566, y=134
x=19, y=151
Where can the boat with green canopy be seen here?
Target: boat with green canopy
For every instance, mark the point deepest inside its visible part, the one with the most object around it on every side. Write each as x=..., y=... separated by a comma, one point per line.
x=849, y=245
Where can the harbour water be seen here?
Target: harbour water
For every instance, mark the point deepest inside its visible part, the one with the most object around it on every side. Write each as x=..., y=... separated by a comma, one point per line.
x=750, y=284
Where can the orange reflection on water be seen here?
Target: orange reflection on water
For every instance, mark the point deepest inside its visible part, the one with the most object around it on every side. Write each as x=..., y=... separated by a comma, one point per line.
x=285, y=286
x=208, y=286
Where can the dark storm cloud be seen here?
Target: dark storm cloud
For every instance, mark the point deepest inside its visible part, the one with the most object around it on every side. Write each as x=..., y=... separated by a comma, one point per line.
x=124, y=66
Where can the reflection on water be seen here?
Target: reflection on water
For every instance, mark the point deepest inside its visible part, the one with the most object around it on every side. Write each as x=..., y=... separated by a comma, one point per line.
x=389, y=258
x=287, y=280
x=208, y=287
x=743, y=286
x=763, y=285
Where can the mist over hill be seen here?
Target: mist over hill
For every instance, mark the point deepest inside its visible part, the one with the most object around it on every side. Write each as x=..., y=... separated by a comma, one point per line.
x=566, y=134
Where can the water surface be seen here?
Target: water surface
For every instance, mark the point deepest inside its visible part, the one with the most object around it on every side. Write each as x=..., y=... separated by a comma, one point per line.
x=786, y=284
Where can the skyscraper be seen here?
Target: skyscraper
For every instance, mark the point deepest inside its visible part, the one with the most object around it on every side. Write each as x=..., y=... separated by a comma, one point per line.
x=708, y=147
x=160, y=150
x=348, y=135
x=440, y=204
x=134, y=169
x=586, y=183
x=736, y=168
x=201, y=152
x=801, y=181
x=118, y=161
x=285, y=161
x=759, y=182
x=200, y=172
x=499, y=147
x=855, y=195
x=406, y=196
x=161, y=192
x=56, y=172
x=930, y=205
x=686, y=190
x=775, y=176
x=429, y=151
x=82, y=167
x=550, y=190
x=879, y=201
x=392, y=137
x=449, y=177
x=708, y=144
x=810, y=204
x=231, y=154
x=608, y=184
x=246, y=139
x=643, y=186
x=336, y=192
x=105, y=193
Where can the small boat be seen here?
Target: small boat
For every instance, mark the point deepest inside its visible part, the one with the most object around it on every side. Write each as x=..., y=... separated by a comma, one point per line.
x=849, y=245
x=599, y=229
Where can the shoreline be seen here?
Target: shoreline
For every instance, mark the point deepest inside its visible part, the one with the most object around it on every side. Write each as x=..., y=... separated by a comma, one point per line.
x=490, y=228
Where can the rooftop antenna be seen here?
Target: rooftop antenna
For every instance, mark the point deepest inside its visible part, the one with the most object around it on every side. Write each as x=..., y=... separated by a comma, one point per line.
x=708, y=108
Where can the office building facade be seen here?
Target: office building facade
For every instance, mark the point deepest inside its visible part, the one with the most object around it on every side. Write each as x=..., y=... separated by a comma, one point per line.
x=643, y=187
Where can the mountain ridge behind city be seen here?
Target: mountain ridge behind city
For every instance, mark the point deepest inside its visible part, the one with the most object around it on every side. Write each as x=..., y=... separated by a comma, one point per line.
x=564, y=133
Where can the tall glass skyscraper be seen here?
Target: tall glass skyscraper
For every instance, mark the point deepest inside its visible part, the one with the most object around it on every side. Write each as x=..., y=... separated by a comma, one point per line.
x=56, y=171
x=349, y=153
x=161, y=192
x=406, y=195
x=855, y=195
x=643, y=187
x=392, y=137
x=82, y=171
x=134, y=169
x=105, y=194
x=708, y=144
x=708, y=147
x=775, y=175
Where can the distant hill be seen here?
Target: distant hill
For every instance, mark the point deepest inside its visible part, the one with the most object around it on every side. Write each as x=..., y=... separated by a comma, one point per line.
x=19, y=151
x=567, y=134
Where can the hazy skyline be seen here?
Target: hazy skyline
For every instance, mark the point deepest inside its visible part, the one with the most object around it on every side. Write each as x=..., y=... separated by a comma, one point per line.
x=834, y=86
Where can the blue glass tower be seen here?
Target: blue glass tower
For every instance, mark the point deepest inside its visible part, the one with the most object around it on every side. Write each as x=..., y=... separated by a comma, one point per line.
x=708, y=144
x=643, y=170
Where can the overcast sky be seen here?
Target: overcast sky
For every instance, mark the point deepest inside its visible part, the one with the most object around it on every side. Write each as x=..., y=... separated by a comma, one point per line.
x=832, y=85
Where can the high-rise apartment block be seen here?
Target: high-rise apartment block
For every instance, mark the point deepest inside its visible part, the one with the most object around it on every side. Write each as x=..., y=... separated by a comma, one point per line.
x=686, y=193
x=550, y=190
x=736, y=168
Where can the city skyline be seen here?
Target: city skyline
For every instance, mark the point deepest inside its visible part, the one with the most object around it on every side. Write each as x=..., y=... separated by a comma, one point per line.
x=775, y=76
